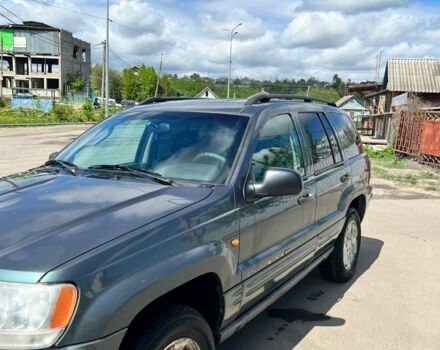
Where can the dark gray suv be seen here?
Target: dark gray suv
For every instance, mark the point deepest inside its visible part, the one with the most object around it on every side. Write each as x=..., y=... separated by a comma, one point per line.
x=171, y=225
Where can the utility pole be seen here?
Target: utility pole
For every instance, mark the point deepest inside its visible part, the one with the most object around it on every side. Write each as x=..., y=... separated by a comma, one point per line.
x=103, y=73
x=233, y=33
x=158, y=76
x=107, y=59
x=1, y=60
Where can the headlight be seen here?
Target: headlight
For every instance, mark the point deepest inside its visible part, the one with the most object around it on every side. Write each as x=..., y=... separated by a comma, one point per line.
x=33, y=316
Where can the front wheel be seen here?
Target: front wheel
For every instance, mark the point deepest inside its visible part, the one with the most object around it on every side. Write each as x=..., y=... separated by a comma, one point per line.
x=340, y=266
x=176, y=328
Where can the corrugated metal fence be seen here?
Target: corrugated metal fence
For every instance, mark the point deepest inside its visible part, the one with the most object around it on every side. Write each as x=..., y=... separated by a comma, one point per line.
x=43, y=105
x=418, y=135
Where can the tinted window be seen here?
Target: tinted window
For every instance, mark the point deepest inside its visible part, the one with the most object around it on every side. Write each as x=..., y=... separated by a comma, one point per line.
x=317, y=140
x=346, y=132
x=278, y=146
x=331, y=135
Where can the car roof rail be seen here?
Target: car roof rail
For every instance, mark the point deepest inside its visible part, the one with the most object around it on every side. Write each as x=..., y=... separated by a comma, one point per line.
x=166, y=99
x=266, y=97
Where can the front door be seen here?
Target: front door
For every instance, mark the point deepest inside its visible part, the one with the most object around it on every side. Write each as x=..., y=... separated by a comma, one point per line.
x=276, y=236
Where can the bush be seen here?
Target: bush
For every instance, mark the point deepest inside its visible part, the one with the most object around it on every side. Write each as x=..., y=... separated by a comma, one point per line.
x=63, y=112
x=386, y=153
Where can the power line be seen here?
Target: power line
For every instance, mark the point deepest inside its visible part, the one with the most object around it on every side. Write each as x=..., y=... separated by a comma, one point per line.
x=12, y=13
x=119, y=58
x=67, y=9
x=1, y=14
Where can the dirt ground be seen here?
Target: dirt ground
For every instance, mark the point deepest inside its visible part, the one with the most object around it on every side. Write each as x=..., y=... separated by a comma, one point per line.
x=392, y=303
x=22, y=148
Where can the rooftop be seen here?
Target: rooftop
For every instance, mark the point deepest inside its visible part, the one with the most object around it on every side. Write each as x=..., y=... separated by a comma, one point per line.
x=413, y=75
x=241, y=106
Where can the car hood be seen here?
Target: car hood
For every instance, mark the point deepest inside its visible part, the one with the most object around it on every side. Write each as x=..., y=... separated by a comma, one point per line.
x=47, y=219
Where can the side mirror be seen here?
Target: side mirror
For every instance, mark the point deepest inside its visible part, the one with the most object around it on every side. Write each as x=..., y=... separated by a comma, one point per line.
x=53, y=155
x=276, y=182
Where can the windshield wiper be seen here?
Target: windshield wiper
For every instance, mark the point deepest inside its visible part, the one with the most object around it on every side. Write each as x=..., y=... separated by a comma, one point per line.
x=135, y=171
x=68, y=166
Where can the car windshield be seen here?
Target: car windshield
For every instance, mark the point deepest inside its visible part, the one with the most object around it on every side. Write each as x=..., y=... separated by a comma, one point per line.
x=196, y=147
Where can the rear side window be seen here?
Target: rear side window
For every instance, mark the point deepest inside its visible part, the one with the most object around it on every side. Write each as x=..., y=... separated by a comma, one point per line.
x=346, y=133
x=317, y=140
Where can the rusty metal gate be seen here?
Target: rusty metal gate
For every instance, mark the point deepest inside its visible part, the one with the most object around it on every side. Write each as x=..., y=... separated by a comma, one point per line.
x=418, y=135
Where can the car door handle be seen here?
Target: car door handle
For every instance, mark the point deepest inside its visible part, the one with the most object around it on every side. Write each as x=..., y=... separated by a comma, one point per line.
x=305, y=197
x=345, y=178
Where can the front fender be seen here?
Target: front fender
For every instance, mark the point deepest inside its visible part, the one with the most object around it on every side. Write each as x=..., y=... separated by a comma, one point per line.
x=109, y=304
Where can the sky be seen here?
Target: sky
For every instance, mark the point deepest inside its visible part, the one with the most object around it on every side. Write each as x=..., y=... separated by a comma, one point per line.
x=278, y=39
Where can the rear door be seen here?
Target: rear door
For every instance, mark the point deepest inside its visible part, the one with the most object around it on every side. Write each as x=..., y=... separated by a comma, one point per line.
x=330, y=174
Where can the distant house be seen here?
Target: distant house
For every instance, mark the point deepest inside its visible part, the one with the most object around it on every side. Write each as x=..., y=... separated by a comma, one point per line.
x=353, y=106
x=206, y=93
x=404, y=78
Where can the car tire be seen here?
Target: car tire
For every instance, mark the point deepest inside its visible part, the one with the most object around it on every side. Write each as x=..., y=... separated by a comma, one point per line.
x=178, y=325
x=340, y=266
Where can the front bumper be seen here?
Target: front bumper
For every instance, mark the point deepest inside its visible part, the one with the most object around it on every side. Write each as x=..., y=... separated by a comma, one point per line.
x=112, y=342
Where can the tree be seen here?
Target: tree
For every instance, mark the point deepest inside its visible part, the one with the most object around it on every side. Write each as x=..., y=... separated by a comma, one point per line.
x=76, y=82
x=115, y=81
x=129, y=84
x=96, y=78
x=147, y=80
x=115, y=85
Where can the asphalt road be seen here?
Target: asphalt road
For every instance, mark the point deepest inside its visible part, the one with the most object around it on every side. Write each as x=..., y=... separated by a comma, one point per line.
x=392, y=303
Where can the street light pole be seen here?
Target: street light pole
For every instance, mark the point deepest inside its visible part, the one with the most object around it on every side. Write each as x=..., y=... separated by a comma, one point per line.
x=107, y=59
x=233, y=33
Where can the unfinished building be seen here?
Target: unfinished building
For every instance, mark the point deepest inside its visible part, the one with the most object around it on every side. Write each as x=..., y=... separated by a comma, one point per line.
x=40, y=59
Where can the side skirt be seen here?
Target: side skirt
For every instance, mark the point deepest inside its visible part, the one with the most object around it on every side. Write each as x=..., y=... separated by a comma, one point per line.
x=270, y=299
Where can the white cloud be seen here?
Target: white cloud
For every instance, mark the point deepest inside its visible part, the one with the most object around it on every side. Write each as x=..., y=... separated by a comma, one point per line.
x=219, y=26
x=317, y=30
x=352, y=6
x=278, y=39
x=138, y=15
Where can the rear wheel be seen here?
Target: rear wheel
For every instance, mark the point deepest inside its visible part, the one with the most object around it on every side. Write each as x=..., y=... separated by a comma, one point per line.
x=340, y=266
x=177, y=328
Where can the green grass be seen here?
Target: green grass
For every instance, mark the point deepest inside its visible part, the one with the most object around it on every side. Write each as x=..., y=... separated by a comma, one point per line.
x=61, y=113
x=386, y=153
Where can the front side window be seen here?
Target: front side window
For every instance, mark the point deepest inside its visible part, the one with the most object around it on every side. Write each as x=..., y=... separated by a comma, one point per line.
x=317, y=140
x=197, y=147
x=278, y=146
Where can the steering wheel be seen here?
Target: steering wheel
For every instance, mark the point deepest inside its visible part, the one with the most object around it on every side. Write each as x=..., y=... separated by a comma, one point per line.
x=210, y=158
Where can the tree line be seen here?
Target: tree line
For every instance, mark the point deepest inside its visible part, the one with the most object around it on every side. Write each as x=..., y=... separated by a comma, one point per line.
x=139, y=83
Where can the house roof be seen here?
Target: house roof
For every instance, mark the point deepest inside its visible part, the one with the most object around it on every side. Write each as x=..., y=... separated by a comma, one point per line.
x=344, y=100
x=202, y=93
x=413, y=75
x=30, y=25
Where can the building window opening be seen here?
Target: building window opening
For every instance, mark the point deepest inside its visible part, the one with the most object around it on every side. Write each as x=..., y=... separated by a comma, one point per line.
x=38, y=83
x=37, y=65
x=52, y=66
x=53, y=83
x=22, y=66
x=83, y=55
x=6, y=64
x=75, y=51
